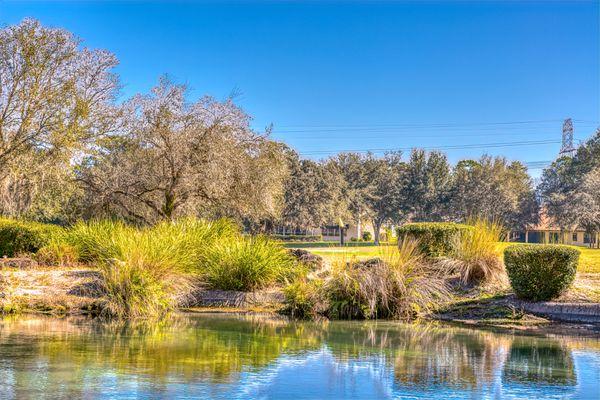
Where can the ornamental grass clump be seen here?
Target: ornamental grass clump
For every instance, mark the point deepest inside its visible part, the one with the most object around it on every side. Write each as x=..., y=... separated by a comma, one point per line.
x=540, y=272
x=97, y=240
x=475, y=257
x=305, y=299
x=144, y=278
x=142, y=270
x=399, y=284
x=58, y=253
x=193, y=239
x=248, y=263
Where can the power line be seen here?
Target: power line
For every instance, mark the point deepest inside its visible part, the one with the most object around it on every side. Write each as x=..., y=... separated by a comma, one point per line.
x=305, y=128
x=326, y=133
x=448, y=147
x=375, y=135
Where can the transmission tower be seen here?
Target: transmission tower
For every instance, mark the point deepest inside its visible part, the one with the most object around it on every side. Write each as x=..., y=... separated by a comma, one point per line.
x=567, y=148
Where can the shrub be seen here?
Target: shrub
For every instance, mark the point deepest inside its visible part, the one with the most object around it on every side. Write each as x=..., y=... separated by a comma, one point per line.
x=247, y=263
x=97, y=240
x=144, y=270
x=297, y=238
x=21, y=237
x=194, y=239
x=141, y=283
x=435, y=239
x=540, y=272
x=366, y=236
x=475, y=257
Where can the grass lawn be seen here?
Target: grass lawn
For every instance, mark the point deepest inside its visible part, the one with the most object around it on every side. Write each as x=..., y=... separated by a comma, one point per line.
x=588, y=263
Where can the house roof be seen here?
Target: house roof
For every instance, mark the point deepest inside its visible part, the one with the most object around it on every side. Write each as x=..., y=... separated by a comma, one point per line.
x=547, y=223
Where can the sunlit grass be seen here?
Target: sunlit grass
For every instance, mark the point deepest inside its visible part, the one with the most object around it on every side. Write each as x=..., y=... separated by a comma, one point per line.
x=589, y=261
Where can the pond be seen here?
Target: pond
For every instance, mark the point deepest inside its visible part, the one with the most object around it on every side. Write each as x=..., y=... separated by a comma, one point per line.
x=251, y=356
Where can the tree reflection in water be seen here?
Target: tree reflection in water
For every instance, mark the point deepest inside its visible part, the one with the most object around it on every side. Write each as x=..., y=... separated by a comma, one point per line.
x=39, y=355
x=541, y=362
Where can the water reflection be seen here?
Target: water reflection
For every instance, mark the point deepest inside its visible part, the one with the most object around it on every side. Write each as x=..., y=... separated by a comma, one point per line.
x=252, y=356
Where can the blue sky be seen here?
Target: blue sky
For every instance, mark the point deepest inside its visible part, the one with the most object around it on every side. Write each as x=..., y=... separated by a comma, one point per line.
x=355, y=75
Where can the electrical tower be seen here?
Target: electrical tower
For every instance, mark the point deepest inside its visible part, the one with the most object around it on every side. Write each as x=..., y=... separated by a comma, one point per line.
x=567, y=148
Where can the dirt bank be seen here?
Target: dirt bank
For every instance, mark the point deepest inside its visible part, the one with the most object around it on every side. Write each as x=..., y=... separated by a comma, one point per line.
x=76, y=291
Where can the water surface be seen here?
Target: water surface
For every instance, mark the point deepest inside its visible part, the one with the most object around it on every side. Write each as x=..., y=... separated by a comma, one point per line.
x=251, y=356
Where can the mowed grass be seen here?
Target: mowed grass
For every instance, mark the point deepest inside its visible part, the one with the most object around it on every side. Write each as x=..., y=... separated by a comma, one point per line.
x=332, y=254
x=588, y=263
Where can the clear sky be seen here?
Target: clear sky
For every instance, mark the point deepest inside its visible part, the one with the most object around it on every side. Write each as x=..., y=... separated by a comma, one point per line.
x=466, y=76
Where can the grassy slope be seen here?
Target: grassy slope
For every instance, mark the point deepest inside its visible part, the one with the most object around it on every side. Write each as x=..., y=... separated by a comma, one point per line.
x=589, y=262
x=586, y=286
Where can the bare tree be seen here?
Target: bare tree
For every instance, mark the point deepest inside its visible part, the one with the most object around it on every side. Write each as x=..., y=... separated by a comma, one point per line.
x=178, y=158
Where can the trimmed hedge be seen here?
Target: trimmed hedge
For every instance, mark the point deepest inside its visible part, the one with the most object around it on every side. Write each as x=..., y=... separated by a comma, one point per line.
x=297, y=238
x=436, y=239
x=21, y=237
x=540, y=272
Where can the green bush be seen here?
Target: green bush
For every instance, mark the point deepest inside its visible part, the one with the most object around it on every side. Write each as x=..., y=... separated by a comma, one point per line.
x=436, y=239
x=297, y=238
x=21, y=237
x=367, y=237
x=248, y=263
x=540, y=272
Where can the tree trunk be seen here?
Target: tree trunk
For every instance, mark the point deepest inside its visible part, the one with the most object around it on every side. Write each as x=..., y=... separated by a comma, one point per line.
x=376, y=230
x=169, y=206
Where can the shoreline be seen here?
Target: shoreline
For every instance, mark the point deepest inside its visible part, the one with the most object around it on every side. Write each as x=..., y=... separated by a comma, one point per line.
x=71, y=291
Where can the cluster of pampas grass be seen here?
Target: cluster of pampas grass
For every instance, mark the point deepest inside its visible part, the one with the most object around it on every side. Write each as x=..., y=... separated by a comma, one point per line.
x=399, y=284
x=476, y=258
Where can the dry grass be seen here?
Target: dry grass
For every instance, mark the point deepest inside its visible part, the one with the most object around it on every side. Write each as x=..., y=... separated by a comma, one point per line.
x=398, y=284
x=476, y=259
x=55, y=291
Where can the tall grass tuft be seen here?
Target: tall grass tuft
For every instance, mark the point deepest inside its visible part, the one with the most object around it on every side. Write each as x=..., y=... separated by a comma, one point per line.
x=194, y=239
x=476, y=258
x=398, y=285
x=142, y=269
x=97, y=240
x=58, y=253
x=247, y=263
x=144, y=278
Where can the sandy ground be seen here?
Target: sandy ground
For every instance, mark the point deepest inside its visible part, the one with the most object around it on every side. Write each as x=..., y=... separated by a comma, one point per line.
x=64, y=290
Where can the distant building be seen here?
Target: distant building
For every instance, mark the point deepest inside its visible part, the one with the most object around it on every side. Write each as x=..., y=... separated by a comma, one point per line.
x=330, y=232
x=546, y=231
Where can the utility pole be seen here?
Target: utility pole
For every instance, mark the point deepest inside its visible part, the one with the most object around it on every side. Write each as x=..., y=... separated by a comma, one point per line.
x=567, y=148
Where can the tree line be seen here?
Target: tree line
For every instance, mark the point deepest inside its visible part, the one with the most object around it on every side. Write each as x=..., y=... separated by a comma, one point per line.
x=391, y=190
x=71, y=149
